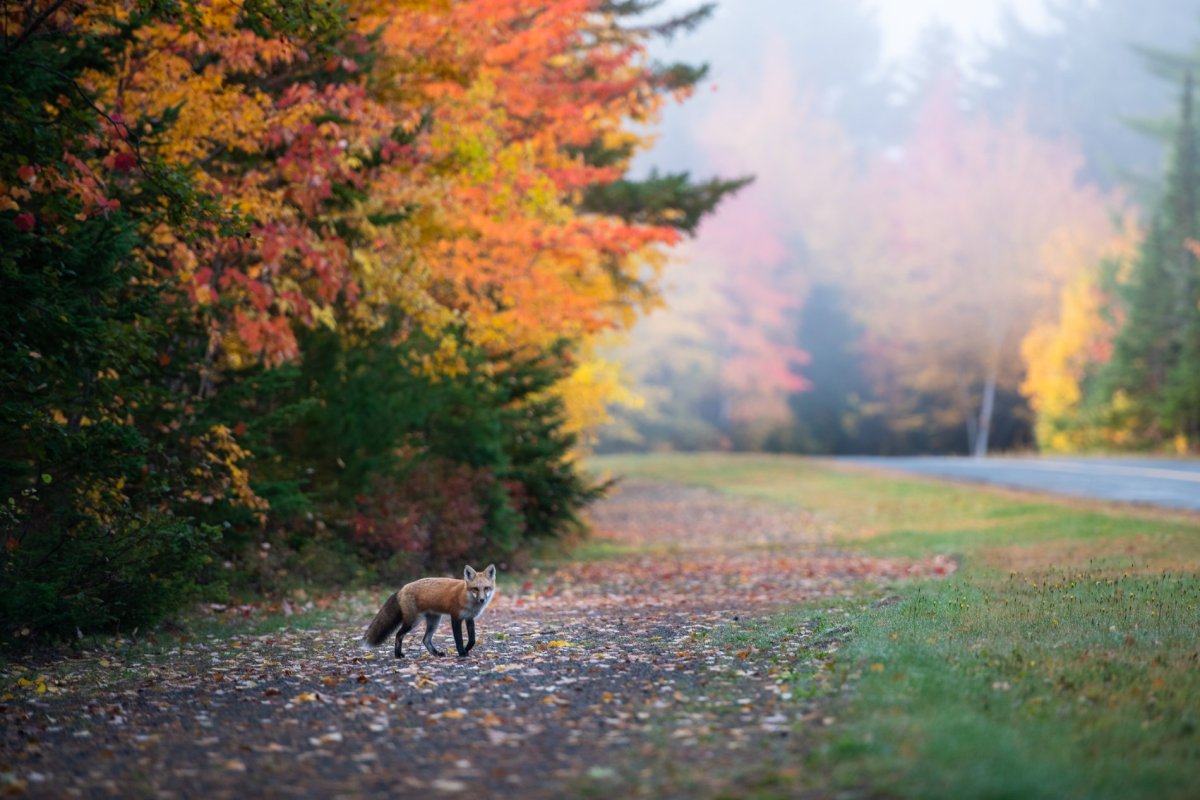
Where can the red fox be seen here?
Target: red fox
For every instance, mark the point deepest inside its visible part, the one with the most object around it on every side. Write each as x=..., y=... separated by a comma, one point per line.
x=434, y=597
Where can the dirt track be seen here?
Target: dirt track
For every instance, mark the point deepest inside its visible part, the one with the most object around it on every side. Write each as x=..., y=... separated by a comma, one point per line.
x=600, y=677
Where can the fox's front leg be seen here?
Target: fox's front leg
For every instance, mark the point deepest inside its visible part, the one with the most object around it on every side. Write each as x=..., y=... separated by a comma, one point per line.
x=456, y=626
x=470, y=635
x=431, y=623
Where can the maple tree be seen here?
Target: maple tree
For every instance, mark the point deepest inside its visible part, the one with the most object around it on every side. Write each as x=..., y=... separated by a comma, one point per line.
x=527, y=114
x=947, y=250
x=719, y=363
x=1065, y=357
x=969, y=208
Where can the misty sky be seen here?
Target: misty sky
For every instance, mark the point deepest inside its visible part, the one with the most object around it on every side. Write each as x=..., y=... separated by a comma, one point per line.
x=742, y=36
x=902, y=20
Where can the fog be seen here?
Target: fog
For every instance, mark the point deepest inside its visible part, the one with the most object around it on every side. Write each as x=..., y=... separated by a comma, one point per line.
x=932, y=182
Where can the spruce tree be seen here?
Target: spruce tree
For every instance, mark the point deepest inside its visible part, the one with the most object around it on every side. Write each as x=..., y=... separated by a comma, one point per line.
x=674, y=199
x=827, y=416
x=1156, y=362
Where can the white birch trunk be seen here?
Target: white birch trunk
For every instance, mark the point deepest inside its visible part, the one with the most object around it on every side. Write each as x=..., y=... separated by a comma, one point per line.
x=987, y=405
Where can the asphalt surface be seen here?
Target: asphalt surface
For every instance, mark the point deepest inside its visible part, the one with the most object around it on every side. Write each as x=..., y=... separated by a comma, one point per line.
x=1169, y=483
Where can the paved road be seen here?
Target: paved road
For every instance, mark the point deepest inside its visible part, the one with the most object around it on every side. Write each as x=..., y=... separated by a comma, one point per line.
x=1153, y=481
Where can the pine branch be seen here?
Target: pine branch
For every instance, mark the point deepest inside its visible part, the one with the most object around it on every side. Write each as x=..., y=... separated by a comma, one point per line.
x=684, y=23
x=669, y=200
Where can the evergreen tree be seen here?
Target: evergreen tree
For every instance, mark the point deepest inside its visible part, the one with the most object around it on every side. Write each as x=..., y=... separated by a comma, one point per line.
x=828, y=416
x=89, y=471
x=1156, y=362
x=674, y=199
x=359, y=446
x=109, y=456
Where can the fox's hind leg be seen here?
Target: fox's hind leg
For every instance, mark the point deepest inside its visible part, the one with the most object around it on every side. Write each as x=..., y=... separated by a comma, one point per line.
x=431, y=623
x=405, y=627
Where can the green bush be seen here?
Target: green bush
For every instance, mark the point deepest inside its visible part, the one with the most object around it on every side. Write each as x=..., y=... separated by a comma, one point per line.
x=103, y=577
x=420, y=472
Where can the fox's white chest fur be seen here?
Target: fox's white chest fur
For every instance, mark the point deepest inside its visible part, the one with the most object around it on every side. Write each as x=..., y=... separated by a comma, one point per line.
x=475, y=608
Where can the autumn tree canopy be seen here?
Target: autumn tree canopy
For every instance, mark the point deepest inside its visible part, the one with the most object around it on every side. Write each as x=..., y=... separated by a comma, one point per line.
x=942, y=252
x=970, y=210
x=237, y=236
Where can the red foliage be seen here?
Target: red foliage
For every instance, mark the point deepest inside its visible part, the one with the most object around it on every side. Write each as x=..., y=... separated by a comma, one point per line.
x=433, y=513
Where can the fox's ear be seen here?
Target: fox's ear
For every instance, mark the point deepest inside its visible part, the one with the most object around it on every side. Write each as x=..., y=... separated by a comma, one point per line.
x=490, y=572
x=469, y=573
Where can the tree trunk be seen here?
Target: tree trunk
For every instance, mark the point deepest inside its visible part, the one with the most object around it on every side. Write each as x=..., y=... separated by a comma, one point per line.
x=980, y=448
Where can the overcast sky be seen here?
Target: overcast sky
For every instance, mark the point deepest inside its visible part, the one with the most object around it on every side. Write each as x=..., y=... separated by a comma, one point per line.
x=746, y=37
x=902, y=20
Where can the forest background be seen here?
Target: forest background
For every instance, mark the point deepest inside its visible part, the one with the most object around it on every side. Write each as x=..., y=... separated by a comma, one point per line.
x=978, y=245
x=337, y=292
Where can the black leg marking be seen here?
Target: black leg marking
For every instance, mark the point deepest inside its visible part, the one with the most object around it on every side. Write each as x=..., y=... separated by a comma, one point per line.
x=404, y=628
x=470, y=635
x=431, y=623
x=456, y=626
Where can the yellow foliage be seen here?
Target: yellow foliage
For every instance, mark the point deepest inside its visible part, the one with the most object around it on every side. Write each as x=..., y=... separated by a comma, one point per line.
x=589, y=392
x=223, y=475
x=1058, y=354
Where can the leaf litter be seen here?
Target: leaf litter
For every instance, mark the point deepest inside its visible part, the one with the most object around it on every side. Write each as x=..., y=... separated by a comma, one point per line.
x=602, y=674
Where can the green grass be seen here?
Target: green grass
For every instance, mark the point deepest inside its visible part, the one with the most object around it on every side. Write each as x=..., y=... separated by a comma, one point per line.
x=1062, y=660
x=916, y=517
x=1071, y=684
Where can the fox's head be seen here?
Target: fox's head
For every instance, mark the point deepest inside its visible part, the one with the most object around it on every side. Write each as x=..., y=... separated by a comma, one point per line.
x=480, y=585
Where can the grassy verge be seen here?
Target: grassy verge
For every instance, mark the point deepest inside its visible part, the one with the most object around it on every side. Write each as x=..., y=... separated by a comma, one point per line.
x=1062, y=660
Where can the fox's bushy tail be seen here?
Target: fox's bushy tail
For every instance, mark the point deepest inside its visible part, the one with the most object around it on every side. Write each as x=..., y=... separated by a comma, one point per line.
x=386, y=622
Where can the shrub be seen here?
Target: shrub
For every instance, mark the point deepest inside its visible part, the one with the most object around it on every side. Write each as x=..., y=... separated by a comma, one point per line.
x=421, y=471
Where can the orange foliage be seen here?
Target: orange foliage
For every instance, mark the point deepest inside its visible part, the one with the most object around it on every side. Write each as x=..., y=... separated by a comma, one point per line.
x=514, y=91
x=434, y=171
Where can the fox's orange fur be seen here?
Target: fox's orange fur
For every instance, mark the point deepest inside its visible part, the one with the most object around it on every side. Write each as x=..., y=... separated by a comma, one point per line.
x=433, y=598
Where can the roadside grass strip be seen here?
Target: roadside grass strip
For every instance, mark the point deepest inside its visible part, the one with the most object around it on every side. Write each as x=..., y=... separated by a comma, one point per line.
x=1069, y=683
x=1062, y=660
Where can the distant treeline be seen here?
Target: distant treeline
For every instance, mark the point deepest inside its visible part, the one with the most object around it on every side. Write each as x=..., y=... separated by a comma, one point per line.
x=937, y=258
